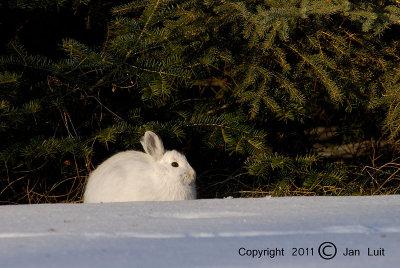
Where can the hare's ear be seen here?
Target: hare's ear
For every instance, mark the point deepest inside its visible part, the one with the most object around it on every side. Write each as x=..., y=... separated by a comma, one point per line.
x=152, y=145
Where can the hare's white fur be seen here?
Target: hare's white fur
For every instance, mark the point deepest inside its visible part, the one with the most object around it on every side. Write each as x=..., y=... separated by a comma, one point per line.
x=138, y=176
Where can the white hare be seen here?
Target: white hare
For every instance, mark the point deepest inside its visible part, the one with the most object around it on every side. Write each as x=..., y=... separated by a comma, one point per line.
x=156, y=175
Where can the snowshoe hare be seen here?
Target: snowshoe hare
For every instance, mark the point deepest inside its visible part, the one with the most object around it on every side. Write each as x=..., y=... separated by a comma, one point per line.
x=156, y=175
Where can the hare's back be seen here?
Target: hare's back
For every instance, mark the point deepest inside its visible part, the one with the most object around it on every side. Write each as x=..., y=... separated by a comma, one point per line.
x=128, y=162
x=127, y=158
x=120, y=173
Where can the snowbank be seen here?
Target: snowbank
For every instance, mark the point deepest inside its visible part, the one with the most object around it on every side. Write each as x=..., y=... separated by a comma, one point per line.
x=266, y=232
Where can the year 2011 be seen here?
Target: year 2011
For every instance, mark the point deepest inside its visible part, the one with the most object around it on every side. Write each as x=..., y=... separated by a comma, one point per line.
x=302, y=252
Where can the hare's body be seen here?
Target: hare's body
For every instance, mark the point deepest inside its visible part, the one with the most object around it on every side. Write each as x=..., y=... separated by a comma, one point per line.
x=136, y=176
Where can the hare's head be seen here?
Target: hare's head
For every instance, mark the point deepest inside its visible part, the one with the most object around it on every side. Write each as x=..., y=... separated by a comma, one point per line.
x=172, y=164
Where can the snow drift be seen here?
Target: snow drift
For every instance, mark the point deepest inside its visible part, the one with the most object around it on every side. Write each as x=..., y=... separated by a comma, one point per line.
x=279, y=232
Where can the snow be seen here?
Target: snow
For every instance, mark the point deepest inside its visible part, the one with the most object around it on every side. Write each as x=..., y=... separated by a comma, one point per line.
x=204, y=233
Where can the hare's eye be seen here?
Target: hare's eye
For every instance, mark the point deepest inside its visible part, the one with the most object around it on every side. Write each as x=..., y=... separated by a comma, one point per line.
x=174, y=164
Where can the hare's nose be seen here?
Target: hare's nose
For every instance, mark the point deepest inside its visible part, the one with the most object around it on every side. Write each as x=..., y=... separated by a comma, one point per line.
x=190, y=177
x=192, y=173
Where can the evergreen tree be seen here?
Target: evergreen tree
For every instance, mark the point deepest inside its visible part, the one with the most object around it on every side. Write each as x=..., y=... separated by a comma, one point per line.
x=242, y=87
